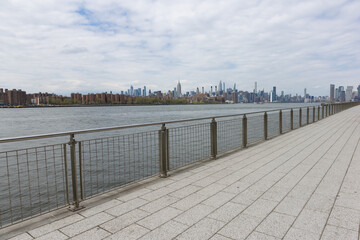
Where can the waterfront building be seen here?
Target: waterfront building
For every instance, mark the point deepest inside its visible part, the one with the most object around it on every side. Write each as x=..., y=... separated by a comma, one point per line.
x=348, y=93
x=332, y=89
x=342, y=96
x=220, y=86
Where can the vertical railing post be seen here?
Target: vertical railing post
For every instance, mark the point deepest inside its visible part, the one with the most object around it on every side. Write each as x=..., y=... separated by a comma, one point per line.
x=66, y=175
x=167, y=150
x=292, y=119
x=163, y=151
x=244, y=131
x=81, y=173
x=307, y=115
x=72, y=144
x=265, y=126
x=326, y=110
x=318, y=113
x=314, y=114
x=322, y=111
x=300, y=117
x=213, y=136
x=280, y=122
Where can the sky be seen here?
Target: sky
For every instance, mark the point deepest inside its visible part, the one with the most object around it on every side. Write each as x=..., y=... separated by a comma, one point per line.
x=101, y=46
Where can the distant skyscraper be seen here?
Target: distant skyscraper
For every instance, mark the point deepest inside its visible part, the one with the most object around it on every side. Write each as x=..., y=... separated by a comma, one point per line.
x=211, y=91
x=348, y=93
x=271, y=96
x=202, y=90
x=131, y=91
x=234, y=86
x=274, y=94
x=255, y=90
x=224, y=89
x=304, y=92
x=220, y=86
x=178, y=89
x=332, y=89
x=336, y=97
x=342, y=96
x=216, y=90
x=144, y=91
x=358, y=88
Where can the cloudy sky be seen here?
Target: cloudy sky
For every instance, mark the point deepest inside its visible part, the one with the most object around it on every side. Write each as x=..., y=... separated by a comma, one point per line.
x=93, y=46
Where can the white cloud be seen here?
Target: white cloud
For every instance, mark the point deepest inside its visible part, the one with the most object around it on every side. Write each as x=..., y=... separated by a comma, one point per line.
x=94, y=46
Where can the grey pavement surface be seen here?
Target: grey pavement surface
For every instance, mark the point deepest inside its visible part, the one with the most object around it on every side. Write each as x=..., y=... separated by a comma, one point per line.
x=304, y=184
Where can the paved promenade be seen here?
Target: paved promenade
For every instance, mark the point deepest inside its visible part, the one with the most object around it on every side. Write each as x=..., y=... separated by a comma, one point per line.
x=304, y=184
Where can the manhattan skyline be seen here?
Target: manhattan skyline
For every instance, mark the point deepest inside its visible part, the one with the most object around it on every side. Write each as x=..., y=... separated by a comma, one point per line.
x=90, y=46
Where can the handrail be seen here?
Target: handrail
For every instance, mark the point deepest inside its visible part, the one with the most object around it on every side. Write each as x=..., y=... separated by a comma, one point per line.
x=85, y=131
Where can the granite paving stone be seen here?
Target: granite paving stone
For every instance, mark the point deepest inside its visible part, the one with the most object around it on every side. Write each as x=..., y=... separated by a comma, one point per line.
x=92, y=234
x=124, y=220
x=55, y=235
x=167, y=231
x=156, y=219
x=37, y=232
x=193, y=215
x=131, y=232
x=86, y=224
x=202, y=230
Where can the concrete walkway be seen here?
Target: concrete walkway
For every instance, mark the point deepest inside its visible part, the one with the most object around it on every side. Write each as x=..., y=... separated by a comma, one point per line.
x=301, y=185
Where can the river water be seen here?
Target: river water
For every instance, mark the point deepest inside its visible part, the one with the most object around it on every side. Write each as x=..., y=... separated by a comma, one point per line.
x=15, y=122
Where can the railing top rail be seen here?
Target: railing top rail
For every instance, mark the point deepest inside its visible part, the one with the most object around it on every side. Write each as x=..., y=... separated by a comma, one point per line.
x=61, y=134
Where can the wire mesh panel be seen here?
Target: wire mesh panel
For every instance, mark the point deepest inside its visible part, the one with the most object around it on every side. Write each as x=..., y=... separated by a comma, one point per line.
x=311, y=114
x=316, y=113
x=296, y=118
x=115, y=161
x=273, y=124
x=229, y=134
x=286, y=120
x=303, y=116
x=255, y=128
x=188, y=144
x=32, y=182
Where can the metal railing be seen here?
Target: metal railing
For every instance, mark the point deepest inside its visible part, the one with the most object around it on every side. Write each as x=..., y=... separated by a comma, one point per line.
x=37, y=180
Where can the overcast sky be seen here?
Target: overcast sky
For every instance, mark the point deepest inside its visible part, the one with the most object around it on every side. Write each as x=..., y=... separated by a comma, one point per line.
x=94, y=46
